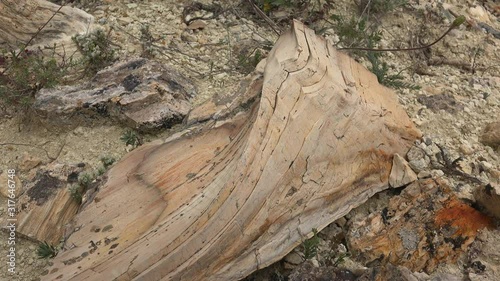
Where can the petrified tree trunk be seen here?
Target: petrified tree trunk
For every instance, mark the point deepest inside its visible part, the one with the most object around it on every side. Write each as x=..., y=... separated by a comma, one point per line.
x=235, y=197
x=21, y=19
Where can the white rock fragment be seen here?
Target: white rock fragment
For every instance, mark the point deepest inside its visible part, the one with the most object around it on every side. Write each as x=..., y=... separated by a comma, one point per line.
x=401, y=173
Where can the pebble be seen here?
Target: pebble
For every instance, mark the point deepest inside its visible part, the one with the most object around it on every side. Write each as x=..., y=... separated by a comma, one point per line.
x=125, y=21
x=294, y=258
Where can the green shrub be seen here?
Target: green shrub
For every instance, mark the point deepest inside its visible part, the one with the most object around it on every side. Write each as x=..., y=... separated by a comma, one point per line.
x=310, y=246
x=85, y=180
x=96, y=50
x=75, y=192
x=130, y=137
x=26, y=73
x=45, y=250
x=355, y=32
x=380, y=69
x=107, y=161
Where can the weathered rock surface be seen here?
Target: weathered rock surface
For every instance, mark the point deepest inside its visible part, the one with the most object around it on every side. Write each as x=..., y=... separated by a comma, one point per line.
x=138, y=93
x=45, y=206
x=484, y=256
x=21, y=19
x=240, y=194
x=400, y=273
x=423, y=227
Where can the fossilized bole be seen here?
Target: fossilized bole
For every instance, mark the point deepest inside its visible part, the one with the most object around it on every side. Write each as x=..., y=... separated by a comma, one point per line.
x=223, y=202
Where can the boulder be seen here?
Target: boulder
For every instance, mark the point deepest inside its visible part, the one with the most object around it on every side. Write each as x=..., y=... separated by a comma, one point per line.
x=138, y=93
x=22, y=19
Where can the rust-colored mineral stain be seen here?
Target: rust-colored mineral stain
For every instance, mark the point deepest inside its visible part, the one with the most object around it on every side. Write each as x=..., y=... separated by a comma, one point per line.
x=465, y=219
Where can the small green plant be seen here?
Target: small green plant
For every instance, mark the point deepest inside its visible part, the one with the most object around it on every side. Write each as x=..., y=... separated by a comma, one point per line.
x=96, y=50
x=85, y=180
x=355, y=32
x=310, y=246
x=380, y=69
x=247, y=64
x=107, y=161
x=26, y=73
x=147, y=40
x=101, y=171
x=340, y=259
x=75, y=192
x=131, y=138
x=45, y=250
x=269, y=5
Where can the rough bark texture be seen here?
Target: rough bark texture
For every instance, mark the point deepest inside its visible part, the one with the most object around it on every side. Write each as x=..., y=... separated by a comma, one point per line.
x=21, y=19
x=229, y=199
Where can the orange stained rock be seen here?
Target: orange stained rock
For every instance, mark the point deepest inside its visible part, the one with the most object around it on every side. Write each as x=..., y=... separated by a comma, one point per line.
x=465, y=220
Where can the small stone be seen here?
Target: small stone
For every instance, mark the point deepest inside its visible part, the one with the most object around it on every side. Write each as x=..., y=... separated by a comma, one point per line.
x=491, y=135
x=401, y=173
x=466, y=149
x=332, y=231
x=418, y=160
x=29, y=162
x=486, y=166
x=197, y=24
x=186, y=37
x=341, y=222
x=437, y=173
x=132, y=6
x=478, y=13
x=125, y=20
x=489, y=197
x=294, y=258
x=424, y=175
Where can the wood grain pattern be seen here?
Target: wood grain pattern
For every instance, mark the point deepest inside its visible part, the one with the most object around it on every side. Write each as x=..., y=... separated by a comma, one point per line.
x=21, y=20
x=223, y=202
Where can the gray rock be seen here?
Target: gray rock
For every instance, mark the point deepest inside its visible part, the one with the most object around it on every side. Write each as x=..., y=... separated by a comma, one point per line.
x=418, y=159
x=491, y=135
x=137, y=93
x=484, y=256
x=294, y=258
x=488, y=196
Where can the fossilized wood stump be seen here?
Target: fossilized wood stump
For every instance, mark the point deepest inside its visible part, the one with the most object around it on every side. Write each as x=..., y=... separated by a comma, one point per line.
x=21, y=19
x=222, y=202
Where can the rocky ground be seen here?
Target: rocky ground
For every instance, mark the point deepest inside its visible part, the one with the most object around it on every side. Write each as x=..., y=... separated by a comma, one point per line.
x=218, y=43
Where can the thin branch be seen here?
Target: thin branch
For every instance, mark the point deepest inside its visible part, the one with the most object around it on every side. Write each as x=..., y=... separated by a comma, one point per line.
x=273, y=26
x=34, y=36
x=456, y=23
